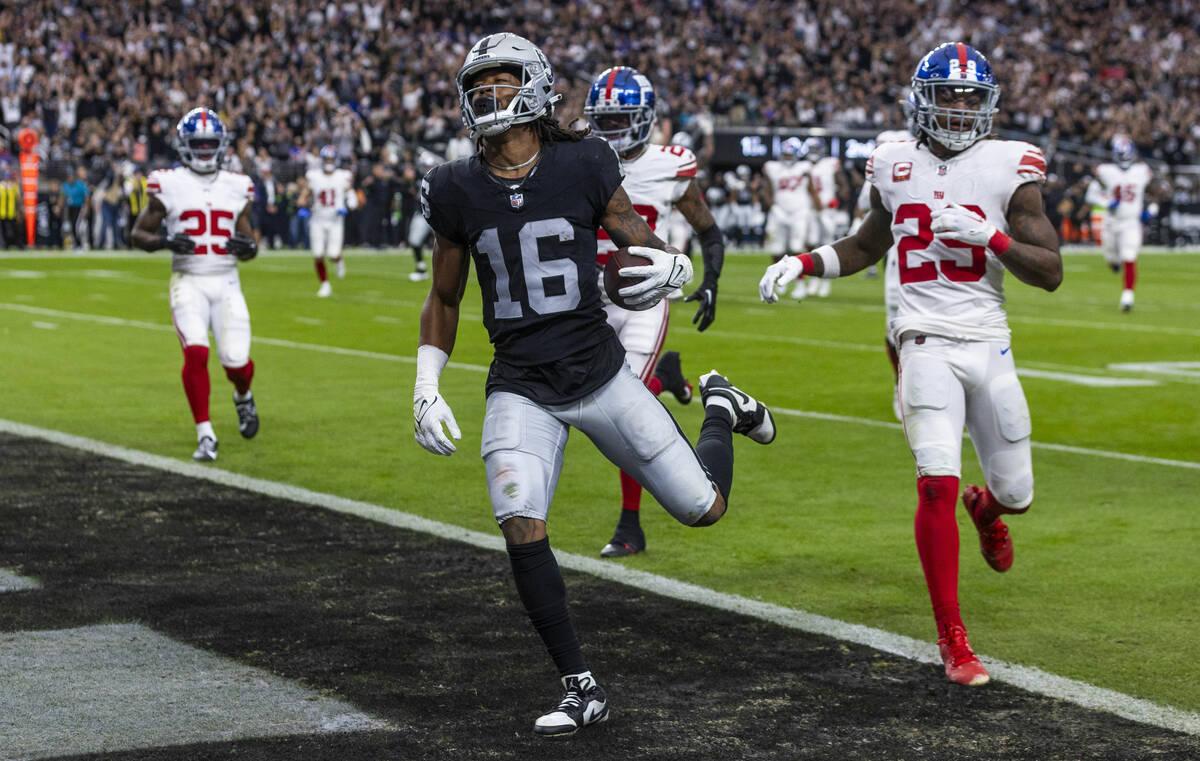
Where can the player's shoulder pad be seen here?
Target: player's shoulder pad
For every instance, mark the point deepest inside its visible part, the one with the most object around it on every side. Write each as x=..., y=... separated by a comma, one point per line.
x=1027, y=159
x=157, y=180
x=678, y=159
x=885, y=157
x=239, y=183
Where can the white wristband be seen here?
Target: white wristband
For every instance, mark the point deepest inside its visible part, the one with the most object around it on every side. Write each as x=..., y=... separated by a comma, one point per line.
x=430, y=362
x=829, y=257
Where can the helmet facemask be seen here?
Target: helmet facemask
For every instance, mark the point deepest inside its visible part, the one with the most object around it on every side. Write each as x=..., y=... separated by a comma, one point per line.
x=491, y=109
x=956, y=113
x=626, y=128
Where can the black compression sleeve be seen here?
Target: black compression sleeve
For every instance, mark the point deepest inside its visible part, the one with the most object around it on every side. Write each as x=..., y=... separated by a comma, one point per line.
x=712, y=251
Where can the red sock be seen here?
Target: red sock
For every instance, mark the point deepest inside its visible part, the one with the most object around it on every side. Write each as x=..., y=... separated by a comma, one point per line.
x=631, y=492
x=195, y=380
x=320, y=269
x=241, y=376
x=1130, y=275
x=655, y=385
x=937, y=544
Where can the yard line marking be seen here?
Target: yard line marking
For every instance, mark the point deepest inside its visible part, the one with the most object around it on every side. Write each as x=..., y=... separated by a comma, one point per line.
x=1085, y=380
x=1025, y=677
x=364, y=354
x=1108, y=326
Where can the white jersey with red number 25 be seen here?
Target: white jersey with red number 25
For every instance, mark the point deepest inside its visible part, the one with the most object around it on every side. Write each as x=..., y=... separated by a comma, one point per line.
x=329, y=191
x=204, y=207
x=949, y=288
x=654, y=181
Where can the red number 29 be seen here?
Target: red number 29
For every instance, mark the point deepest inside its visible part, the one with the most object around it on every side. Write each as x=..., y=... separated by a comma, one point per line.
x=928, y=270
x=210, y=224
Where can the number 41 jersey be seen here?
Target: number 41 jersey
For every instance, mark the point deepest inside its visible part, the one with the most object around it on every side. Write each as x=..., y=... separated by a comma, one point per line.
x=204, y=207
x=947, y=287
x=533, y=241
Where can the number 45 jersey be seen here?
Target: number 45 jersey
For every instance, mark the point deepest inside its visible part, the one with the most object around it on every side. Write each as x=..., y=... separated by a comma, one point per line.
x=204, y=207
x=533, y=241
x=947, y=287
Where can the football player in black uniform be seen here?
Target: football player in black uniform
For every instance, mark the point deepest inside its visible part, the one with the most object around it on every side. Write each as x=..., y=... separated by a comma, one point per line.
x=526, y=208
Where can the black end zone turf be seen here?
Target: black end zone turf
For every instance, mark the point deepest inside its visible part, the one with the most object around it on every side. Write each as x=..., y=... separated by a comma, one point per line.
x=429, y=636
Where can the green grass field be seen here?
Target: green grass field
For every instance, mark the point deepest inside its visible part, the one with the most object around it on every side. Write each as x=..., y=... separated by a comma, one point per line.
x=1104, y=588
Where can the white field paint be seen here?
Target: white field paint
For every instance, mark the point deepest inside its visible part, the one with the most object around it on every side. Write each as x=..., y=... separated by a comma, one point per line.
x=1025, y=677
x=412, y=360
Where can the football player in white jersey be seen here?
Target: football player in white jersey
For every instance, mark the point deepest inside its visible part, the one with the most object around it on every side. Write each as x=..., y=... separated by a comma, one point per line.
x=1124, y=182
x=793, y=203
x=418, y=229
x=658, y=178
x=329, y=195
x=207, y=216
x=962, y=210
x=829, y=183
x=891, y=275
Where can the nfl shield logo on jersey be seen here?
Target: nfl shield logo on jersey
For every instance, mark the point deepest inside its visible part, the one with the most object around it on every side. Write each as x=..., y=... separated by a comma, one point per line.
x=517, y=200
x=942, y=170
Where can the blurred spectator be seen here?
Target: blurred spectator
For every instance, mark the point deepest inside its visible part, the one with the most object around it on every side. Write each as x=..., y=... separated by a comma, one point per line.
x=376, y=215
x=135, y=193
x=110, y=212
x=268, y=206
x=10, y=209
x=75, y=196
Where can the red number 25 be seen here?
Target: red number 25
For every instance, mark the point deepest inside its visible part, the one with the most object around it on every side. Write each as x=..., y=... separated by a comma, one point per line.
x=928, y=270
x=210, y=224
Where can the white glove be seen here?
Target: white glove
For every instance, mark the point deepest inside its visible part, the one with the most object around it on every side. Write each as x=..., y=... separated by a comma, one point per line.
x=430, y=413
x=961, y=224
x=665, y=273
x=783, y=272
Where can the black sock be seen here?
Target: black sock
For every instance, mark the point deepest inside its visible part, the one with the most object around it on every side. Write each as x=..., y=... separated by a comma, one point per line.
x=715, y=448
x=629, y=519
x=540, y=585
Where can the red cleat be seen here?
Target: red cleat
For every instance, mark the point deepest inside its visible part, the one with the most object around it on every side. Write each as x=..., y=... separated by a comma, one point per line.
x=962, y=665
x=994, y=542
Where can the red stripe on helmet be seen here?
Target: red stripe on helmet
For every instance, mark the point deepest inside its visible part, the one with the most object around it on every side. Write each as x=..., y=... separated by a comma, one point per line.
x=962, y=60
x=612, y=76
x=204, y=119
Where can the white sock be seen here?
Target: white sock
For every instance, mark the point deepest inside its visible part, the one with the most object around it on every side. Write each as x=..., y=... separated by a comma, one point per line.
x=205, y=429
x=240, y=398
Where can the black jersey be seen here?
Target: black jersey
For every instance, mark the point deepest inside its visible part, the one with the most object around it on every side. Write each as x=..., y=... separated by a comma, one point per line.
x=534, y=245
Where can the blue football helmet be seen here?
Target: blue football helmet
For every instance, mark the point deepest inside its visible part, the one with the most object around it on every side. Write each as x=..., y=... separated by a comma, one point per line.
x=791, y=150
x=620, y=108
x=329, y=158
x=1124, y=152
x=955, y=96
x=201, y=140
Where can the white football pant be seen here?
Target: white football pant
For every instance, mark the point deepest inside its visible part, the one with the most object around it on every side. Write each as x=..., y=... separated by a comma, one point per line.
x=1122, y=240
x=325, y=237
x=201, y=301
x=641, y=333
x=944, y=383
x=786, y=232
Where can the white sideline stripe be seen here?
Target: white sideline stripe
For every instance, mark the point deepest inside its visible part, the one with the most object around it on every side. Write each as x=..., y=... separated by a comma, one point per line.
x=1085, y=380
x=362, y=353
x=1025, y=677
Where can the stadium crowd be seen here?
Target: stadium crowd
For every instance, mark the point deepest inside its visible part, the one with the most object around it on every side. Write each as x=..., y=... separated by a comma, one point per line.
x=105, y=82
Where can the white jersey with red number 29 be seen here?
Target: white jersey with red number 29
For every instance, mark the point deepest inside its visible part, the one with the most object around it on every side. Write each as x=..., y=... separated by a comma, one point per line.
x=949, y=288
x=654, y=181
x=329, y=191
x=204, y=207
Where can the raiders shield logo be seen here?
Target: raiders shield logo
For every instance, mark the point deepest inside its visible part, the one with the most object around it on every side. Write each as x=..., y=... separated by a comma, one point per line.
x=517, y=200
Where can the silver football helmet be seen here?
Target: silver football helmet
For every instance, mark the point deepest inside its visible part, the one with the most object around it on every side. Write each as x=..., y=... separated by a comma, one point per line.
x=480, y=106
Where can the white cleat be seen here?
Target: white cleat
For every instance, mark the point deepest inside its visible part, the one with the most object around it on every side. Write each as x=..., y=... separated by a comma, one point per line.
x=325, y=289
x=800, y=289
x=206, y=450
x=1126, y=300
x=822, y=288
x=583, y=703
x=418, y=276
x=750, y=417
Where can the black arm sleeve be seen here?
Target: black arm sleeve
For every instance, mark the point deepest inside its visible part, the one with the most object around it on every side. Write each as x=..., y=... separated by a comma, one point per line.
x=712, y=251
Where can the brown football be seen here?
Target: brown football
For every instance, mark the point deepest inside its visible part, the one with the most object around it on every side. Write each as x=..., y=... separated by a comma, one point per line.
x=613, y=281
